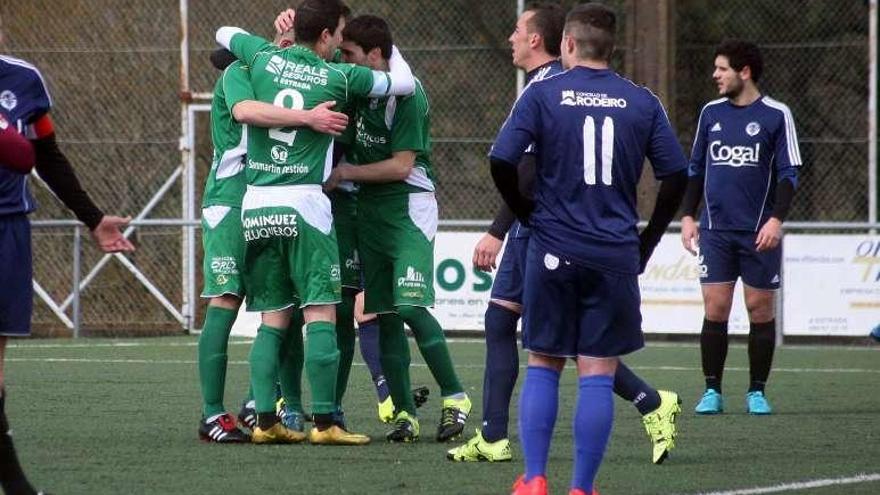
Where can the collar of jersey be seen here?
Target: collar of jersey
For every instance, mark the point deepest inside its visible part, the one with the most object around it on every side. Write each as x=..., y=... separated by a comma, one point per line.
x=305, y=51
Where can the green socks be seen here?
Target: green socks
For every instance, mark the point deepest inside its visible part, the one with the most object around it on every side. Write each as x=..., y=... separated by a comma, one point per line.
x=264, y=360
x=322, y=365
x=290, y=367
x=213, y=343
x=395, y=358
x=345, y=340
x=432, y=344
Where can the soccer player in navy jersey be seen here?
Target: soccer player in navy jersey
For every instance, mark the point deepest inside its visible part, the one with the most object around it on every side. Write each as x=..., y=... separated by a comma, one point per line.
x=24, y=108
x=535, y=47
x=592, y=131
x=744, y=166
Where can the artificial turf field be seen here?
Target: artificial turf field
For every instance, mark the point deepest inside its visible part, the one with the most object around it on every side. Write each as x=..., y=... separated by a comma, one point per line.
x=120, y=416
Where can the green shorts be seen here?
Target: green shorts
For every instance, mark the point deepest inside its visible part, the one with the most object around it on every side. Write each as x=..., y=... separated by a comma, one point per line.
x=345, y=222
x=223, y=245
x=289, y=254
x=396, y=241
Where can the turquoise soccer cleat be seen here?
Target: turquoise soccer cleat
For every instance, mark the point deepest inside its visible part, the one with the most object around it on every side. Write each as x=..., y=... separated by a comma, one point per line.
x=711, y=403
x=757, y=404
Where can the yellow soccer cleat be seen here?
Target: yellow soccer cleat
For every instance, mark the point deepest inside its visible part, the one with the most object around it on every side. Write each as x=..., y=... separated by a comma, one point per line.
x=405, y=429
x=386, y=410
x=452, y=418
x=478, y=449
x=278, y=433
x=660, y=425
x=335, y=435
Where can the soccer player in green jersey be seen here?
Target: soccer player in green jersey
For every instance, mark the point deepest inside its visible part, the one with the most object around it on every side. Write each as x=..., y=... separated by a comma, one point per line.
x=233, y=105
x=290, y=243
x=397, y=222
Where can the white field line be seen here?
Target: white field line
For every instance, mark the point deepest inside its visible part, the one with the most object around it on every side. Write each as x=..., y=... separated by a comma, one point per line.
x=801, y=485
x=415, y=364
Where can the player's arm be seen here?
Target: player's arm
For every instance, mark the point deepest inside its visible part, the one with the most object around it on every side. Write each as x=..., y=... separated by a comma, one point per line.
x=520, y=130
x=16, y=152
x=690, y=234
x=321, y=118
x=243, y=45
x=670, y=168
x=787, y=161
x=398, y=81
x=55, y=170
x=394, y=169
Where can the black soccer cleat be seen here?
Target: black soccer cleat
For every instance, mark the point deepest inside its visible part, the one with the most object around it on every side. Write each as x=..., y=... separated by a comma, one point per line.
x=222, y=430
x=247, y=416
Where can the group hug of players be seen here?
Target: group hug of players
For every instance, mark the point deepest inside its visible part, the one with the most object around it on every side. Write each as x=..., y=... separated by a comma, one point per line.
x=322, y=191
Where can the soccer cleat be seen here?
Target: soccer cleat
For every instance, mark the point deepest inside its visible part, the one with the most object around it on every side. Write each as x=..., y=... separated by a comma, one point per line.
x=222, y=430
x=660, y=425
x=386, y=410
x=535, y=486
x=291, y=419
x=452, y=418
x=420, y=396
x=757, y=404
x=336, y=436
x=405, y=429
x=875, y=333
x=711, y=403
x=478, y=449
x=247, y=416
x=278, y=433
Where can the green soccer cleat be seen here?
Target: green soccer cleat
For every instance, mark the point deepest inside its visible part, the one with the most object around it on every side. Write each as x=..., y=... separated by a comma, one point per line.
x=452, y=418
x=711, y=403
x=757, y=404
x=386, y=410
x=405, y=429
x=660, y=425
x=478, y=449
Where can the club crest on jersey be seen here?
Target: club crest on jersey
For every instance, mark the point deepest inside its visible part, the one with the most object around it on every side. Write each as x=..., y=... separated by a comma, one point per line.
x=8, y=100
x=279, y=153
x=734, y=156
x=753, y=128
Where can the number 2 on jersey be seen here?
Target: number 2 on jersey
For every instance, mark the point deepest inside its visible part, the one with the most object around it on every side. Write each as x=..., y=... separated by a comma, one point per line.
x=296, y=103
x=606, y=149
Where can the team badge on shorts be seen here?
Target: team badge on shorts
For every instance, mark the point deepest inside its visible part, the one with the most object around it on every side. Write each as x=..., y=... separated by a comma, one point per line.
x=551, y=262
x=753, y=128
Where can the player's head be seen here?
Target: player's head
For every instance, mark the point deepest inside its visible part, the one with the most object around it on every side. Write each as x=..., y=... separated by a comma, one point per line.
x=537, y=34
x=589, y=34
x=319, y=23
x=367, y=41
x=738, y=64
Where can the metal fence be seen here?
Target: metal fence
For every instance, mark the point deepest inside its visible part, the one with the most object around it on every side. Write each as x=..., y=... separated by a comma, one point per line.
x=116, y=71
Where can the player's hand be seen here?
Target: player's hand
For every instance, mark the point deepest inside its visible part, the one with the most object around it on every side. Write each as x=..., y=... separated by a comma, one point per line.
x=284, y=21
x=690, y=235
x=486, y=252
x=769, y=235
x=108, y=235
x=326, y=121
x=336, y=176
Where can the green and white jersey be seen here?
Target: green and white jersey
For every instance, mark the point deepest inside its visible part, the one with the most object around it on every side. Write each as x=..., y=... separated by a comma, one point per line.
x=390, y=124
x=294, y=77
x=226, y=181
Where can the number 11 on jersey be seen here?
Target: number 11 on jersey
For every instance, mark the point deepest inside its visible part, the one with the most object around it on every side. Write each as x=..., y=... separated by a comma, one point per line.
x=606, y=149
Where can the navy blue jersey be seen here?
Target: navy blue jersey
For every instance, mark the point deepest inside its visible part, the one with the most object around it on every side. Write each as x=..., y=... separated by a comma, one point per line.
x=23, y=99
x=538, y=74
x=742, y=153
x=592, y=131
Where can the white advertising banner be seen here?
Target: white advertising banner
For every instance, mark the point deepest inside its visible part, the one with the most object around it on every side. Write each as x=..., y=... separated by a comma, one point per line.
x=832, y=284
x=671, y=298
x=831, y=287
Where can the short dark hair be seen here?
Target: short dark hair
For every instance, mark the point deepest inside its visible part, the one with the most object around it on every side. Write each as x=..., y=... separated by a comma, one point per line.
x=368, y=32
x=592, y=25
x=314, y=16
x=548, y=20
x=741, y=54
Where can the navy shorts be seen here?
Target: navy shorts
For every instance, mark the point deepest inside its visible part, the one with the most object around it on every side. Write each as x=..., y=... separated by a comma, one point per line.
x=508, y=283
x=726, y=255
x=571, y=310
x=16, y=275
